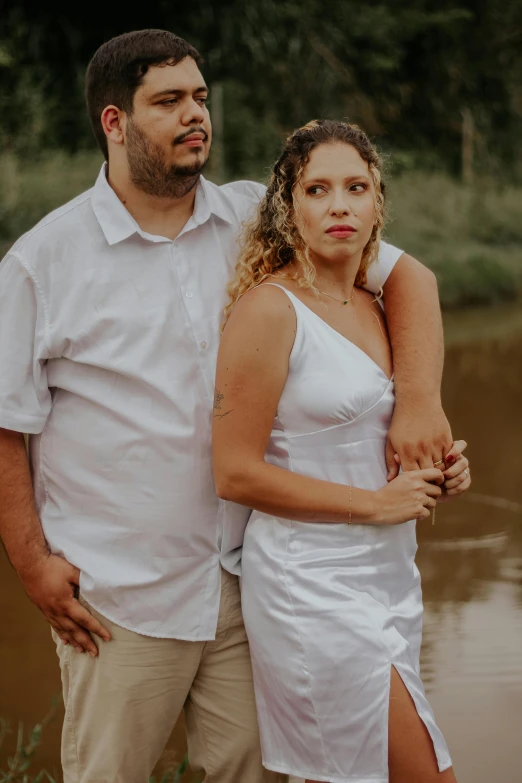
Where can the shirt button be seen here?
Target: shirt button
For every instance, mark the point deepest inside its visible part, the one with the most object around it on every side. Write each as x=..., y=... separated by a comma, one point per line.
x=203, y=344
x=188, y=294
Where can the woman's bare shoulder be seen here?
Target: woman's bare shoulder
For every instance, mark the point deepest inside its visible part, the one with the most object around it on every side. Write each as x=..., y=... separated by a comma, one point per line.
x=266, y=304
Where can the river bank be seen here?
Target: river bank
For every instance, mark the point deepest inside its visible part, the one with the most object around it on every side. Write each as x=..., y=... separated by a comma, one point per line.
x=471, y=236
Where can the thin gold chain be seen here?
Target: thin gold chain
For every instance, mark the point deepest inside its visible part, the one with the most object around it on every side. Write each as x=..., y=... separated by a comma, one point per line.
x=346, y=301
x=341, y=301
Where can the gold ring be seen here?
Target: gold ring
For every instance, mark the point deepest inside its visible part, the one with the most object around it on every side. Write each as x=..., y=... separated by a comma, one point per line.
x=439, y=462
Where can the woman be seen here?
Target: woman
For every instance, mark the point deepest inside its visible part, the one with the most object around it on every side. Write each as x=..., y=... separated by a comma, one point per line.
x=304, y=397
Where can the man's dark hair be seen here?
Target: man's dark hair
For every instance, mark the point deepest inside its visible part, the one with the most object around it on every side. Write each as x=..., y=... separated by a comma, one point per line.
x=119, y=65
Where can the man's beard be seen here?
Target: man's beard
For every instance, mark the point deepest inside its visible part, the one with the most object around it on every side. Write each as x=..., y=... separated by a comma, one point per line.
x=150, y=172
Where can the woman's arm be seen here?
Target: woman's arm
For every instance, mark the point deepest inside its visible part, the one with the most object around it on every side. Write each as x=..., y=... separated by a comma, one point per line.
x=419, y=433
x=251, y=374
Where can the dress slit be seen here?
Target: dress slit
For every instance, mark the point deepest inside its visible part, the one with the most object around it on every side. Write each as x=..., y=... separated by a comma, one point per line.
x=443, y=761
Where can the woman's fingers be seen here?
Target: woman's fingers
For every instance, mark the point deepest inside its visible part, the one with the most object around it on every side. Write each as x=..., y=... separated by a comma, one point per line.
x=456, y=469
x=455, y=452
x=432, y=490
x=458, y=482
x=460, y=488
x=459, y=479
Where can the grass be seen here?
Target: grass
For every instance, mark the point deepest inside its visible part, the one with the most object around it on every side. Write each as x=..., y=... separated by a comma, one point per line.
x=20, y=765
x=471, y=236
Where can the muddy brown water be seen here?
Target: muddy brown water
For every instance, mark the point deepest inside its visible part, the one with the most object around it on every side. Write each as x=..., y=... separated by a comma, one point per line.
x=471, y=564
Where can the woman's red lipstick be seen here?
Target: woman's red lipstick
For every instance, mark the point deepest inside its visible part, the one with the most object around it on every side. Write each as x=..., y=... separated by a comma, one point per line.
x=341, y=231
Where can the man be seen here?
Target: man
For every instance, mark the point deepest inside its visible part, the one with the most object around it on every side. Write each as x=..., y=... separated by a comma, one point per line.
x=109, y=326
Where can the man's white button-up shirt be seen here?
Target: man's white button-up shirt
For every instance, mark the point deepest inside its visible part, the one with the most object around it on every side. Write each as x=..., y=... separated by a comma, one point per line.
x=108, y=345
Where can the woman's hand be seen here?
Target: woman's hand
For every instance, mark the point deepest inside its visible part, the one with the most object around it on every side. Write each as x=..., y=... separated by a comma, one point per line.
x=412, y=495
x=457, y=479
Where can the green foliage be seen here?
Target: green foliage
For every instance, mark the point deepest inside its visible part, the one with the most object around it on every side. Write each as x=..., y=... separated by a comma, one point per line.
x=403, y=69
x=471, y=236
x=174, y=775
x=18, y=765
x=30, y=189
x=480, y=280
x=252, y=143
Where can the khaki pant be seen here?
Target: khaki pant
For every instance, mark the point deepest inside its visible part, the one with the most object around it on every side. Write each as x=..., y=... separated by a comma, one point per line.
x=121, y=707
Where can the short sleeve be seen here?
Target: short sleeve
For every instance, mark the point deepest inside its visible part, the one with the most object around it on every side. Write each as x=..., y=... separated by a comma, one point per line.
x=249, y=189
x=25, y=399
x=379, y=271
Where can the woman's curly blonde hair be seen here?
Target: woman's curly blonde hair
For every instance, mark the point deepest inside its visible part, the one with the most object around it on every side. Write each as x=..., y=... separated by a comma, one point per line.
x=273, y=240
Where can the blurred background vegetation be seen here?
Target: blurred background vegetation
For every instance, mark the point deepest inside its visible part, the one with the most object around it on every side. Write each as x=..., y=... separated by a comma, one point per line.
x=437, y=84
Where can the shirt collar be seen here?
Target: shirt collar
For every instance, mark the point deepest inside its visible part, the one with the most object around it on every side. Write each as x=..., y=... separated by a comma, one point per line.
x=212, y=200
x=118, y=224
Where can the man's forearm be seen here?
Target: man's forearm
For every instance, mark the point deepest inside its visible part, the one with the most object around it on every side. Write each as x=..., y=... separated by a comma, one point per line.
x=415, y=326
x=20, y=527
x=50, y=580
x=419, y=432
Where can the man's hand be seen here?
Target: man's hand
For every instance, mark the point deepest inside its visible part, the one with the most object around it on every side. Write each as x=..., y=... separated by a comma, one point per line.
x=50, y=581
x=51, y=585
x=421, y=437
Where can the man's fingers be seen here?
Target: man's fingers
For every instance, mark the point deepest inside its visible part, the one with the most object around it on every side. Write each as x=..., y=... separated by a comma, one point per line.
x=83, y=617
x=408, y=463
x=65, y=636
x=79, y=636
x=432, y=474
x=426, y=462
x=393, y=472
x=391, y=463
x=68, y=639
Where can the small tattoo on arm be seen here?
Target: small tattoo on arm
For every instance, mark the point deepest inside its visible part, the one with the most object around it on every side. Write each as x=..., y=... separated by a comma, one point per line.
x=222, y=415
x=218, y=398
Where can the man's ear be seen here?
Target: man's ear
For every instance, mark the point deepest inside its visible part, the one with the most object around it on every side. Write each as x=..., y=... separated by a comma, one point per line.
x=113, y=124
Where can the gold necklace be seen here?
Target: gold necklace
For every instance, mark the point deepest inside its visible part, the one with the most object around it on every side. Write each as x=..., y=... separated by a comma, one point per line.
x=341, y=301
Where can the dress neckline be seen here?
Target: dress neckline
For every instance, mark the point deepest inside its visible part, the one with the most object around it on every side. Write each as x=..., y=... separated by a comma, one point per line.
x=331, y=328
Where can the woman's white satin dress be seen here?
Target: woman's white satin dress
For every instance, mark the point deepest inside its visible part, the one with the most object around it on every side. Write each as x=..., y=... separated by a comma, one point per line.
x=329, y=608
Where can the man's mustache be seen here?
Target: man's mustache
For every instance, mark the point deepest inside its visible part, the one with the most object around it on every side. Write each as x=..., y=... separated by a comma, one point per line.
x=181, y=138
